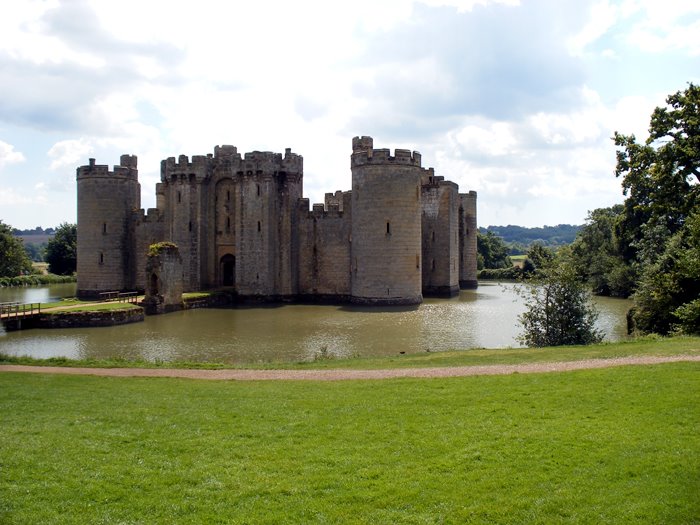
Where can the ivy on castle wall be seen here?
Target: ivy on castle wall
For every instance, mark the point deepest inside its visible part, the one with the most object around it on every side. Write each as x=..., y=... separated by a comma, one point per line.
x=156, y=249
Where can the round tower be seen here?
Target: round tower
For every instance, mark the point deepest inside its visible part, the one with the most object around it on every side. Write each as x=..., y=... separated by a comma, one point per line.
x=386, y=225
x=106, y=201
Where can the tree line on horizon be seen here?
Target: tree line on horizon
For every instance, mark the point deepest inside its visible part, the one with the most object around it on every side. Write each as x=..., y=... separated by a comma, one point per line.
x=519, y=239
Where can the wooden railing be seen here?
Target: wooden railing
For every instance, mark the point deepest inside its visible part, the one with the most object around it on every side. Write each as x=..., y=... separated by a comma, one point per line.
x=19, y=311
x=122, y=297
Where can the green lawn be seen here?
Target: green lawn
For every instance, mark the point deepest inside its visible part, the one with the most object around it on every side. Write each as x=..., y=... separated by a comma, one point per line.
x=615, y=445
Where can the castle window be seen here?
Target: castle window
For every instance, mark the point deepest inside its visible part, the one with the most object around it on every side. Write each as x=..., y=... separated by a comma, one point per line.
x=179, y=197
x=189, y=226
x=388, y=228
x=417, y=261
x=433, y=264
x=228, y=195
x=433, y=236
x=228, y=224
x=104, y=227
x=258, y=225
x=102, y=258
x=258, y=190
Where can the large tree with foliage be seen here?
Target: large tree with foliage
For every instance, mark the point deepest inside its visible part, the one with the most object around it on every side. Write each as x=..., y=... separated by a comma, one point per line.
x=668, y=296
x=598, y=254
x=660, y=178
x=61, y=250
x=558, y=309
x=492, y=252
x=13, y=257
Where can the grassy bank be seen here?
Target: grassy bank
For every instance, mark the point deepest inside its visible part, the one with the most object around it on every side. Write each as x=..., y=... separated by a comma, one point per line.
x=601, y=446
x=654, y=346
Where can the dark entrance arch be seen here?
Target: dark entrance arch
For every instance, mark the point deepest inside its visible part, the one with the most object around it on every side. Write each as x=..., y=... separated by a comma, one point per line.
x=153, y=285
x=228, y=270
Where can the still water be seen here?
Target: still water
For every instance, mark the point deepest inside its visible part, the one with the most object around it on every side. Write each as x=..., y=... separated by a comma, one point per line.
x=486, y=317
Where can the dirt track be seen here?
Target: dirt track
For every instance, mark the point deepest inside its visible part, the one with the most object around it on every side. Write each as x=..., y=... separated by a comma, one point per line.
x=340, y=375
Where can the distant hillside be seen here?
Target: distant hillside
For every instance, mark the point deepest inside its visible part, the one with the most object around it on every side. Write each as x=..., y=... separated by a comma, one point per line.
x=35, y=238
x=519, y=236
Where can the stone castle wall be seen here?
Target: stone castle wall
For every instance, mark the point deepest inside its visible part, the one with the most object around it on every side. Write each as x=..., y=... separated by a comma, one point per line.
x=241, y=221
x=324, y=250
x=467, y=240
x=440, y=237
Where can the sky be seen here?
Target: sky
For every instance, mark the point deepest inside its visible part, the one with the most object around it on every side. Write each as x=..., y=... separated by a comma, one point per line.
x=517, y=100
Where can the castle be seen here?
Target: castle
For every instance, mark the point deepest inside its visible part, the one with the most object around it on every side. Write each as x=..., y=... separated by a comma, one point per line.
x=242, y=222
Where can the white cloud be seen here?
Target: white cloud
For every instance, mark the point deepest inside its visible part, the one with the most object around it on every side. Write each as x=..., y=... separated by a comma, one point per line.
x=68, y=153
x=649, y=25
x=8, y=155
x=16, y=198
x=467, y=5
x=603, y=16
x=496, y=94
x=494, y=139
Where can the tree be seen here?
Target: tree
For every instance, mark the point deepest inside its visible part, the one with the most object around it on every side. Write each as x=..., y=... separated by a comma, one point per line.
x=492, y=252
x=539, y=257
x=660, y=177
x=35, y=251
x=61, y=250
x=558, y=310
x=669, y=288
x=598, y=255
x=13, y=258
x=658, y=230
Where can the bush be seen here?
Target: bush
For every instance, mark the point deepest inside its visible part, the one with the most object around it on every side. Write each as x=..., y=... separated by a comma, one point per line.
x=500, y=274
x=558, y=310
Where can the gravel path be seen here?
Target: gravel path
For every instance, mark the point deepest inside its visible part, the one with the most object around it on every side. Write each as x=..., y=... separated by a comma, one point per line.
x=339, y=374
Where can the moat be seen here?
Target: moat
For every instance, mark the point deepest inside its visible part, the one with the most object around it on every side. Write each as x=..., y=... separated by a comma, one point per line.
x=486, y=317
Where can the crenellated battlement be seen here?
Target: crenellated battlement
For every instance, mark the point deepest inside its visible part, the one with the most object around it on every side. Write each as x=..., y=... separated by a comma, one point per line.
x=271, y=163
x=319, y=210
x=252, y=163
x=363, y=153
x=149, y=216
x=225, y=151
x=199, y=165
x=127, y=169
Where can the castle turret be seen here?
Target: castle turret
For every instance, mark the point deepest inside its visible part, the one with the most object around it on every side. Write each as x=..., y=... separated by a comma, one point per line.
x=106, y=199
x=386, y=225
x=467, y=240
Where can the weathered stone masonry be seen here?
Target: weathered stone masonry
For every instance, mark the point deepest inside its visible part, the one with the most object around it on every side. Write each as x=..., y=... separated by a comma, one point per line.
x=242, y=222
